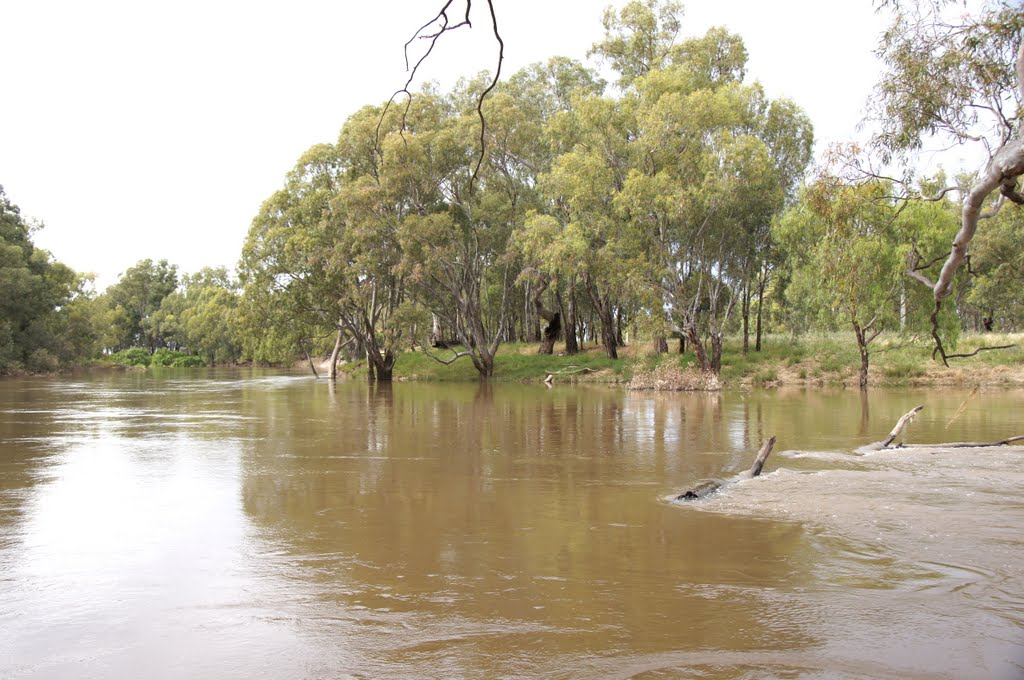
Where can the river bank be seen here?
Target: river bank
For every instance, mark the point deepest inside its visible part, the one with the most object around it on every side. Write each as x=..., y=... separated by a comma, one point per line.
x=818, y=360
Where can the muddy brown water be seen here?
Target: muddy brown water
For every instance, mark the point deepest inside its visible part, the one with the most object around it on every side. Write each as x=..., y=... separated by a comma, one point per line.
x=244, y=524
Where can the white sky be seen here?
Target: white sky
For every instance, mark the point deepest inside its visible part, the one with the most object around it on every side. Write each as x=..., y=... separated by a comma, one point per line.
x=141, y=129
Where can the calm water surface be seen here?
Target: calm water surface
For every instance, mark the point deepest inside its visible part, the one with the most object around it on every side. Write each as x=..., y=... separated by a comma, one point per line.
x=242, y=524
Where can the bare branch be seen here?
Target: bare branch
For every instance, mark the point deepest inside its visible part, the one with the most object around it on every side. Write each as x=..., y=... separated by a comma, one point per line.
x=447, y=362
x=480, y=102
x=980, y=349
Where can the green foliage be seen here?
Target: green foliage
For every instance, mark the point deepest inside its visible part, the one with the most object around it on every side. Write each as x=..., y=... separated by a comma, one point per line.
x=133, y=356
x=996, y=291
x=136, y=297
x=42, y=301
x=639, y=37
x=163, y=357
x=947, y=75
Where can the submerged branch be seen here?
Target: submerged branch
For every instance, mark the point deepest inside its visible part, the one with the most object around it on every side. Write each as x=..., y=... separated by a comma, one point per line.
x=710, y=486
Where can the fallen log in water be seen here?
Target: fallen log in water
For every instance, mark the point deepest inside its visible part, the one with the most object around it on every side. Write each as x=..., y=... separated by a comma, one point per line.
x=900, y=424
x=965, y=445
x=710, y=486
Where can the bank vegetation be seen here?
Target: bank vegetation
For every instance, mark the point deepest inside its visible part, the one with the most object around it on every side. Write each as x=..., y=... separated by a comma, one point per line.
x=669, y=221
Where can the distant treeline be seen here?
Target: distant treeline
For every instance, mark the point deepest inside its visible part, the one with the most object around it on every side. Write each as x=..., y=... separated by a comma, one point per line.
x=674, y=205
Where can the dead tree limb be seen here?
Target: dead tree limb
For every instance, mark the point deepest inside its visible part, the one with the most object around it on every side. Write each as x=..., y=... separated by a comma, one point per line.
x=762, y=456
x=966, y=445
x=900, y=424
x=549, y=376
x=710, y=486
x=442, y=24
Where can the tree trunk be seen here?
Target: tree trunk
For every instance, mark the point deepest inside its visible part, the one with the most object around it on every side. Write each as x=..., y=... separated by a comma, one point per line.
x=716, y=352
x=383, y=365
x=332, y=370
x=608, y=338
x=607, y=317
x=682, y=344
x=862, y=347
x=760, y=306
x=309, y=360
x=570, y=328
x=618, y=328
x=698, y=347
x=661, y=345
x=553, y=319
x=745, y=310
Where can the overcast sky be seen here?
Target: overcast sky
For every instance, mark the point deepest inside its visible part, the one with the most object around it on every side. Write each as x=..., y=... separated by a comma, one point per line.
x=140, y=129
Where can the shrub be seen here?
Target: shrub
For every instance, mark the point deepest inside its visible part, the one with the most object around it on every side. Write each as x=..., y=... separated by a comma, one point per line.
x=42, y=361
x=164, y=357
x=133, y=356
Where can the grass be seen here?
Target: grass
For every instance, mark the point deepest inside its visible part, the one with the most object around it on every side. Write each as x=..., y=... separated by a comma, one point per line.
x=829, y=358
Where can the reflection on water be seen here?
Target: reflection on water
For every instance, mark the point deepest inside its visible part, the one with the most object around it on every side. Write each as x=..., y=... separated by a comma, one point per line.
x=244, y=524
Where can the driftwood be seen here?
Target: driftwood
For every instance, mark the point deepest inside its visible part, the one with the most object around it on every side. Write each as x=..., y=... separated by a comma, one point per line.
x=710, y=486
x=902, y=422
x=965, y=445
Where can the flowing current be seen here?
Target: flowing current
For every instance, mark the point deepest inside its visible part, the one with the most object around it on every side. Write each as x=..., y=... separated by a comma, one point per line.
x=243, y=524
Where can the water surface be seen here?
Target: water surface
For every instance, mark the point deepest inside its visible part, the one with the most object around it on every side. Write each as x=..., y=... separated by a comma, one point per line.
x=239, y=524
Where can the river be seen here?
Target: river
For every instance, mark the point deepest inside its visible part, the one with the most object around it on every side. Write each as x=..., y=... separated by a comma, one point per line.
x=246, y=523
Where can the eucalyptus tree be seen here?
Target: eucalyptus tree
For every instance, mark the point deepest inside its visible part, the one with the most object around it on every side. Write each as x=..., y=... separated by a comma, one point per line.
x=201, y=316
x=455, y=243
x=995, y=296
x=544, y=92
x=41, y=303
x=136, y=297
x=288, y=293
x=954, y=80
x=322, y=255
x=580, y=218
x=711, y=161
x=846, y=259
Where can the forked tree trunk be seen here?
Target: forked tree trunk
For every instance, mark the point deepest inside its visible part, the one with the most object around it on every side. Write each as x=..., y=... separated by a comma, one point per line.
x=698, y=346
x=553, y=319
x=661, y=345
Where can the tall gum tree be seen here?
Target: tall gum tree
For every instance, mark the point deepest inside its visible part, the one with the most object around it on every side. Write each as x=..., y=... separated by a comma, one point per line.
x=455, y=245
x=711, y=161
x=954, y=80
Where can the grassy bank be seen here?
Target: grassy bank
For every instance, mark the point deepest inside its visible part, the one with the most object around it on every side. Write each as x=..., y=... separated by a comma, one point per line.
x=808, y=360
